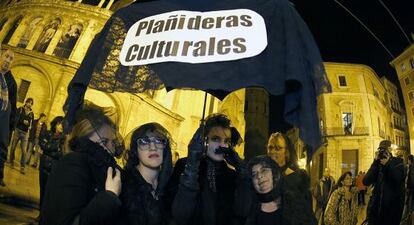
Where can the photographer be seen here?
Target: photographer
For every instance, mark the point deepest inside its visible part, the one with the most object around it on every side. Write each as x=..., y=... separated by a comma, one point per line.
x=387, y=175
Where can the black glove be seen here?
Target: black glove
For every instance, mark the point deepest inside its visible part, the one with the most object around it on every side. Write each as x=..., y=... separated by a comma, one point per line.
x=232, y=158
x=189, y=178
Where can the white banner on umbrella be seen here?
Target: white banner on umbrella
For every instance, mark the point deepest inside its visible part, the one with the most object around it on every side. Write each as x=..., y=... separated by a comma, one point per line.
x=195, y=37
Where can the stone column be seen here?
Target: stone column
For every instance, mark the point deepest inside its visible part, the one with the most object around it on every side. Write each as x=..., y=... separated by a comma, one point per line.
x=6, y=28
x=109, y=4
x=14, y=40
x=36, y=34
x=85, y=39
x=60, y=31
x=101, y=3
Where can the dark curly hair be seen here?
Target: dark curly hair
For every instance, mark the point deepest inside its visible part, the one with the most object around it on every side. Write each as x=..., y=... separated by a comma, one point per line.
x=267, y=162
x=342, y=178
x=221, y=120
x=57, y=120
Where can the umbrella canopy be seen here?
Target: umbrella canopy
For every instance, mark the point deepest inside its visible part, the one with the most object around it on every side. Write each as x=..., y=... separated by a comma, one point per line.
x=266, y=44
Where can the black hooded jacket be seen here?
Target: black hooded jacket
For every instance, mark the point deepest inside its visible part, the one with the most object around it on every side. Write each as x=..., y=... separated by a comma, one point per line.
x=75, y=192
x=386, y=203
x=205, y=207
x=141, y=204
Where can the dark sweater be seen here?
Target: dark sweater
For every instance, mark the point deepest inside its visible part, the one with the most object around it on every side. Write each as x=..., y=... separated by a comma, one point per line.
x=205, y=207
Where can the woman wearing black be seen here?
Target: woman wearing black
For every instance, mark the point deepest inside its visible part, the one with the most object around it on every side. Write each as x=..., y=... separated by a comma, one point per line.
x=52, y=146
x=147, y=171
x=84, y=185
x=295, y=183
x=265, y=175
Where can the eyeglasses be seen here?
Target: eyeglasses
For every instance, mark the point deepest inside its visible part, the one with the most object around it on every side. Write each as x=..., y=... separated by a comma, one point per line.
x=262, y=171
x=145, y=142
x=275, y=147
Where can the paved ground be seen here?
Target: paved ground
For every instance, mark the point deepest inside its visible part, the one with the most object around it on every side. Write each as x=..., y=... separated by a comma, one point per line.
x=19, y=199
x=13, y=215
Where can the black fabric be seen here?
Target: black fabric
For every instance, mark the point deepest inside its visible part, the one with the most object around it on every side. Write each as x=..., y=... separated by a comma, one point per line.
x=52, y=147
x=139, y=205
x=22, y=116
x=387, y=200
x=273, y=218
x=291, y=55
x=12, y=88
x=76, y=187
x=297, y=199
x=4, y=139
x=203, y=206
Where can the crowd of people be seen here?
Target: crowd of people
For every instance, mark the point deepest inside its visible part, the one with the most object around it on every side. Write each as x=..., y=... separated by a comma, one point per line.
x=81, y=182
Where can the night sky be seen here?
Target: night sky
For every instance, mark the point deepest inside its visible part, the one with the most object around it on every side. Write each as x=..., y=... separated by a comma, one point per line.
x=342, y=39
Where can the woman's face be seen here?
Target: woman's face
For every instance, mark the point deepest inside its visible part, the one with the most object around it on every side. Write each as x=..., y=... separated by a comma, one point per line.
x=277, y=150
x=106, y=137
x=150, y=149
x=262, y=179
x=347, y=182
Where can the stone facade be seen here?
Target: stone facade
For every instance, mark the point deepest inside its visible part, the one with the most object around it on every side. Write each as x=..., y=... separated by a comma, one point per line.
x=354, y=118
x=404, y=66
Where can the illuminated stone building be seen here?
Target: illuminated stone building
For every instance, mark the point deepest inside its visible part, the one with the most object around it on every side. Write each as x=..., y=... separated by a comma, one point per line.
x=50, y=39
x=361, y=111
x=404, y=66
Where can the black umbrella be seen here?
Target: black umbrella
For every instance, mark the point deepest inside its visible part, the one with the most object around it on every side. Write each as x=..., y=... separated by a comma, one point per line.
x=223, y=47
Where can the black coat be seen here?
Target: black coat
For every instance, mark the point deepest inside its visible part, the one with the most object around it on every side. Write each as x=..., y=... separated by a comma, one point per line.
x=297, y=199
x=12, y=89
x=386, y=203
x=139, y=206
x=52, y=146
x=76, y=188
x=204, y=207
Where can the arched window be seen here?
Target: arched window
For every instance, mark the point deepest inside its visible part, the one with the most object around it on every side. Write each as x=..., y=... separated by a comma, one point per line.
x=24, y=40
x=68, y=41
x=2, y=22
x=47, y=34
x=12, y=30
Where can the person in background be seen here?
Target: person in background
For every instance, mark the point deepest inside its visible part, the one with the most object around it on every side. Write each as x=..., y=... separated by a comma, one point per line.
x=322, y=192
x=342, y=207
x=24, y=120
x=37, y=132
x=8, y=92
x=387, y=174
x=362, y=189
x=52, y=145
x=295, y=183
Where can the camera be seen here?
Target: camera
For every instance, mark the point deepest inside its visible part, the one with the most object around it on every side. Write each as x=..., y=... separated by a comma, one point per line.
x=383, y=152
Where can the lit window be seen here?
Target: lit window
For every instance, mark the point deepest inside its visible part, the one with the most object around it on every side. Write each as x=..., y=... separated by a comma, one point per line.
x=347, y=122
x=342, y=81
